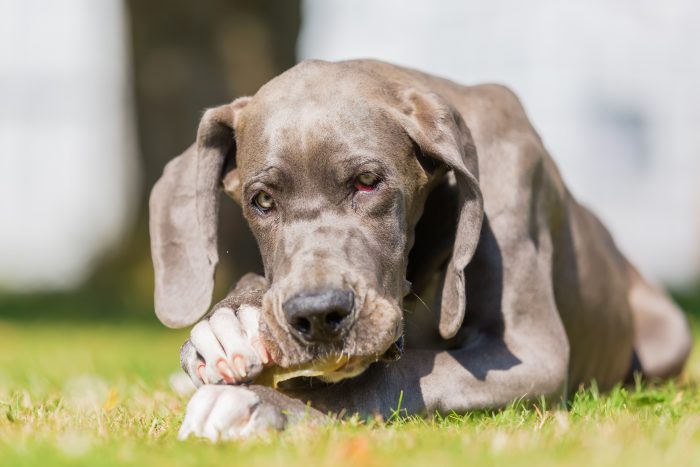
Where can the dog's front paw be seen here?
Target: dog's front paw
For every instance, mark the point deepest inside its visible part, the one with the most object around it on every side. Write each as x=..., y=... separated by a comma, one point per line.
x=222, y=413
x=226, y=347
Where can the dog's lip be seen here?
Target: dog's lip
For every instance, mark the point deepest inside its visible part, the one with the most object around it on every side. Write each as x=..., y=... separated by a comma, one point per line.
x=351, y=367
x=394, y=352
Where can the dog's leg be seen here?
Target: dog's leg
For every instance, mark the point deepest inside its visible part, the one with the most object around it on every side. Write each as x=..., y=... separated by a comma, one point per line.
x=487, y=375
x=224, y=412
x=226, y=345
x=662, y=338
x=220, y=412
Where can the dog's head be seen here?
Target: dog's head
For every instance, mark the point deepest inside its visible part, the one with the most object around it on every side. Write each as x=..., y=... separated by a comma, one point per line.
x=331, y=164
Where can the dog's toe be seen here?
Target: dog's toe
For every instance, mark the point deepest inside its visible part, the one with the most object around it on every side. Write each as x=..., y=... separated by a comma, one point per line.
x=222, y=413
x=225, y=347
x=198, y=409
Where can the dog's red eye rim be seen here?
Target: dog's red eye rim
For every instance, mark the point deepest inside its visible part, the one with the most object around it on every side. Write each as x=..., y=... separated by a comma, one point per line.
x=366, y=182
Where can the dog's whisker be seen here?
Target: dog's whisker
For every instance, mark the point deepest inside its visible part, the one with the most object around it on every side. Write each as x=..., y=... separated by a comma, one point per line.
x=421, y=300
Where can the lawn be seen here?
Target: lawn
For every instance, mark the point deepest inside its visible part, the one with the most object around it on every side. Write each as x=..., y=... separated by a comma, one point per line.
x=97, y=393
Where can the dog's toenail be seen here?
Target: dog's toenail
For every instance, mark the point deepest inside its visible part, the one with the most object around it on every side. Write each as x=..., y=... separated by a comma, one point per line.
x=239, y=364
x=224, y=370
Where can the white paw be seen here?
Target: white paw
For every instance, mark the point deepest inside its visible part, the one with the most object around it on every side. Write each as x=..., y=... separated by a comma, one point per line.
x=222, y=413
x=225, y=347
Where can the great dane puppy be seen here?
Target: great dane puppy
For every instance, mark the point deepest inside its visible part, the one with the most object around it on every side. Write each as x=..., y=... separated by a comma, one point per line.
x=387, y=203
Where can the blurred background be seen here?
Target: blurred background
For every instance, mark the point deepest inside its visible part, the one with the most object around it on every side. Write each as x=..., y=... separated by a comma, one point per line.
x=96, y=96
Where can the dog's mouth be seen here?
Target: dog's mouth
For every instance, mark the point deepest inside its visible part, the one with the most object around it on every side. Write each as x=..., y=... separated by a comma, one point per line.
x=329, y=369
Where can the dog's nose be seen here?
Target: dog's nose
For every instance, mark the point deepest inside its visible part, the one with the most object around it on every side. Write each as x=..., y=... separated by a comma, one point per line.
x=320, y=317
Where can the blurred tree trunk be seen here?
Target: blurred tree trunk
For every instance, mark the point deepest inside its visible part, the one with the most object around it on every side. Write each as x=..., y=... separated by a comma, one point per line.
x=192, y=55
x=188, y=56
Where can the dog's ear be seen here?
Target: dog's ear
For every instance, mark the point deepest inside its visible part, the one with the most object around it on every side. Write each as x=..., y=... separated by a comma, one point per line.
x=184, y=208
x=440, y=132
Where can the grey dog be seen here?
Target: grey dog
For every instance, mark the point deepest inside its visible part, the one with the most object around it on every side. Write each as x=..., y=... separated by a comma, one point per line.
x=389, y=203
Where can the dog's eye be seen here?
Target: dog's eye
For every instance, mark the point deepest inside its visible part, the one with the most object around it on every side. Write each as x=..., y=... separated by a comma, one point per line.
x=264, y=201
x=366, y=181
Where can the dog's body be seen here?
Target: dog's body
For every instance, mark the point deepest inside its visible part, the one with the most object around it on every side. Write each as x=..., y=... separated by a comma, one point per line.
x=530, y=291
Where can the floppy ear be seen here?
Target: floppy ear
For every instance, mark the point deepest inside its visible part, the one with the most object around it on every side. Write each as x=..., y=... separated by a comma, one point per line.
x=440, y=132
x=184, y=208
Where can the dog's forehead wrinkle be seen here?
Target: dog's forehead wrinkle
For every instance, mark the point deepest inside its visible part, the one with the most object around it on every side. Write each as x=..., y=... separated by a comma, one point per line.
x=314, y=160
x=273, y=173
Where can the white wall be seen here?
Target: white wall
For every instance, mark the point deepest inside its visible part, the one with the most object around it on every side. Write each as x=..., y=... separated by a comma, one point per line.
x=67, y=151
x=611, y=86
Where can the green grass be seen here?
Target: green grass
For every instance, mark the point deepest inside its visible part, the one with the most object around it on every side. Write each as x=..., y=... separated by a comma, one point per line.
x=77, y=393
